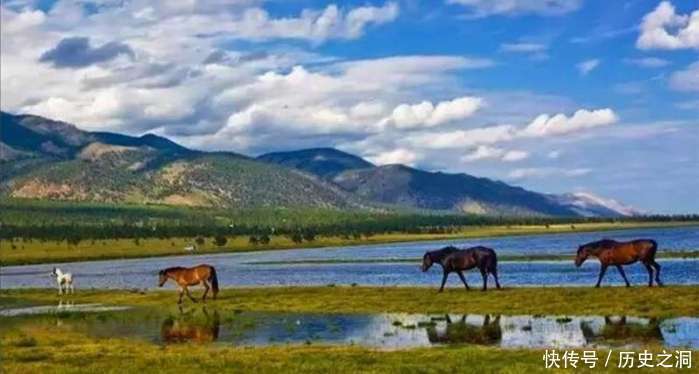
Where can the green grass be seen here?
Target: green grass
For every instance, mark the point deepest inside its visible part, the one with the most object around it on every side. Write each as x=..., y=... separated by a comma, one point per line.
x=34, y=251
x=668, y=301
x=56, y=348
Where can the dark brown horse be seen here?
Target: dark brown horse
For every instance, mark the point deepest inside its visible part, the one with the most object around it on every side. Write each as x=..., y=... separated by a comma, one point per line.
x=611, y=252
x=457, y=260
x=204, y=274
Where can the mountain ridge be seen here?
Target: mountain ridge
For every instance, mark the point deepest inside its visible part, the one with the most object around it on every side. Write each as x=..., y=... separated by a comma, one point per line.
x=47, y=159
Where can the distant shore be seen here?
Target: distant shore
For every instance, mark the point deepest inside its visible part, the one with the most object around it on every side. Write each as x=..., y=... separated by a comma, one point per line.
x=21, y=252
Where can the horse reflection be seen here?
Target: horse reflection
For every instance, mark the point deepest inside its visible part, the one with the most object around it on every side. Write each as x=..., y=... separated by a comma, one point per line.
x=189, y=329
x=619, y=329
x=489, y=333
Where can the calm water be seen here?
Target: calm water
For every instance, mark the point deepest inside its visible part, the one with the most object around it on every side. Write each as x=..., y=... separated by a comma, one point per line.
x=241, y=269
x=202, y=326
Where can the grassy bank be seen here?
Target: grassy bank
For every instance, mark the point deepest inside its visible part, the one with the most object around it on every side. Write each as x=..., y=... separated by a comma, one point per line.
x=33, y=251
x=58, y=348
x=635, y=301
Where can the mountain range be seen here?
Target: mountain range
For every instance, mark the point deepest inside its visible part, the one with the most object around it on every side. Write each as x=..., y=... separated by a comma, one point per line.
x=46, y=159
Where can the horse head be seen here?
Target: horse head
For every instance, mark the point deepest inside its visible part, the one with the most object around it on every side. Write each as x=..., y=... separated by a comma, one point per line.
x=162, y=278
x=426, y=262
x=582, y=255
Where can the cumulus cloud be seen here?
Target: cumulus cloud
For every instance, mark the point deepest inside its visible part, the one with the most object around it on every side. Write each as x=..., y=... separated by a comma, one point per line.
x=485, y=152
x=527, y=173
x=663, y=28
x=425, y=114
x=483, y=8
x=559, y=124
x=396, y=156
x=331, y=22
x=585, y=67
x=76, y=52
x=686, y=79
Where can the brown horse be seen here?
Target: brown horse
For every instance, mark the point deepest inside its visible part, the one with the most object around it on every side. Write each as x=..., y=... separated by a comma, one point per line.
x=457, y=260
x=204, y=274
x=195, y=330
x=611, y=252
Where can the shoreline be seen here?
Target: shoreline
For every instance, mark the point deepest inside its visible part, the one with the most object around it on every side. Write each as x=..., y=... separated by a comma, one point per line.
x=672, y=301
x=62, y=253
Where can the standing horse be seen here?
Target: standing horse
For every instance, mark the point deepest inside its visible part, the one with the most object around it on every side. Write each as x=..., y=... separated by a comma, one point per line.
x=457, y=260
x=184, y=277
x=64, y=281
x=611, y=252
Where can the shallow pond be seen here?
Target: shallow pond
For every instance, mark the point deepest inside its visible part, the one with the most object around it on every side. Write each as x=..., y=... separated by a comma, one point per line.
x=267, y=268
x=385, y=331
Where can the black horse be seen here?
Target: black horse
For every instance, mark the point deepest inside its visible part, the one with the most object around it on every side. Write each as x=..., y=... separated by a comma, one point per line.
x=457, y=260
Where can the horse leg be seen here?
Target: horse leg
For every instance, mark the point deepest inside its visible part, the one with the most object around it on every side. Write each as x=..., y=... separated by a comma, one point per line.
x=484, y=274
x=623, y=275
x=650, y=273
x=444, y=280
x=179, y=302
x=463, y=279
x=494, y=271
x=206, y=290
x=602, y=270
x=186, y=290
x=657, y=273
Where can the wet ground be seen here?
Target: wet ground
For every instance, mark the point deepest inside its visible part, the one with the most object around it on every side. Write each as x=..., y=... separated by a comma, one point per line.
x=255, y=269
x=385, y=331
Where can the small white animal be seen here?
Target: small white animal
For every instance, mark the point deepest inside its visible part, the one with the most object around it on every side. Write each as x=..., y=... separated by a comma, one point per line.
x=64, y=281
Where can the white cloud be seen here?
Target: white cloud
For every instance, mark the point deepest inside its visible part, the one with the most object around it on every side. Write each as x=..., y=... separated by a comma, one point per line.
x=482, y=8
x=663, y=28
x=585, y=67
x=528, y=173
x=397, y=156
x=523, y=47
x=425, y=114
x=331, y=22
x=515, y=155
x=648, y=62
x=559, y=124
x=687, y=79
x=485, y=152
x=554, y=154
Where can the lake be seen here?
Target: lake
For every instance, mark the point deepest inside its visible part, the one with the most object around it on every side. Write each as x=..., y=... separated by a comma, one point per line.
x=249, y=269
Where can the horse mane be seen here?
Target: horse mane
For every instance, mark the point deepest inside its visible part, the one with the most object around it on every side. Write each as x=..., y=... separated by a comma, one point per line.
x=174, y=268
x=596, y=245
x=439, y=254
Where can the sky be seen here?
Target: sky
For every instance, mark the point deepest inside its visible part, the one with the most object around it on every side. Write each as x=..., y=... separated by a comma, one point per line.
x=556, y=96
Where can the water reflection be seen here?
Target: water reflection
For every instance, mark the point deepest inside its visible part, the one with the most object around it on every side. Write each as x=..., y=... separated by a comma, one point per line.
x=623, y=329
x=464, y=331
x=191, y=328
x=384, y=331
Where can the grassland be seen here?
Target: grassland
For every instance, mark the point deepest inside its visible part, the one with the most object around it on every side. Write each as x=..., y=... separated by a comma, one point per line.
x=636, y=301
x=55, y=348
x=26, y=251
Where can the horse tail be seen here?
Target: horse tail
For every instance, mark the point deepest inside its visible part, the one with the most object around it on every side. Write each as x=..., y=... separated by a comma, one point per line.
x=653, y=247
x=494, y=262
x=214, y=281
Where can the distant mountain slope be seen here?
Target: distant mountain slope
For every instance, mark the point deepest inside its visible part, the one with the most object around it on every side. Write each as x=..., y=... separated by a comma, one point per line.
x=590, y=205
x=409, y=187
x=323, y=162
x=48, y=159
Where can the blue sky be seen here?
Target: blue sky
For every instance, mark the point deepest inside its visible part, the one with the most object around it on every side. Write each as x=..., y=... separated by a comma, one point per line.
x=555, y=96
